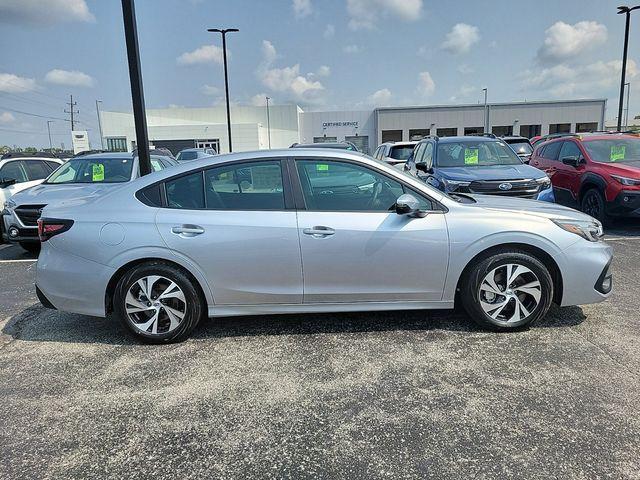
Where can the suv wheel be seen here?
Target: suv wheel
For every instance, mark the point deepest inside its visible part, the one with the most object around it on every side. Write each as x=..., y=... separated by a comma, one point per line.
x=158, y=303
x=507, y=291
x=593, y=204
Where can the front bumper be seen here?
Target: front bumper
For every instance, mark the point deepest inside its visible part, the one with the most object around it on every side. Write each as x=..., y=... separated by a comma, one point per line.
x=626, y=204
x=586, y=273
x=547, y=195
x=14, y=231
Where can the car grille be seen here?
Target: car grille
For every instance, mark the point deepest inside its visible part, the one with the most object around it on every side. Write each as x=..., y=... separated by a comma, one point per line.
x=29, y=214
x=519, y=188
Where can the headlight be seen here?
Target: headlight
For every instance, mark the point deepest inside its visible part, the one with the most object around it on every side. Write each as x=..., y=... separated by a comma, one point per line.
x=627, y=181
x=454, y=184
x=9, y=205
x=544, y=182
x=588, y=229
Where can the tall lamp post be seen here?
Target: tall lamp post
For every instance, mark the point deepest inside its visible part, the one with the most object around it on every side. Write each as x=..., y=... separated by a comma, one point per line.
x=627, y=11
x=49, y=122
x=268, y=122
x=626, y=110
x=98, y=102
x=486, y=115
x=224, y=32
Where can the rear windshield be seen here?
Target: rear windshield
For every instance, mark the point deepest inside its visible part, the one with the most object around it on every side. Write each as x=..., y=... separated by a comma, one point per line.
x=182, y=156
x=401, y=152
x=521, y=147
x=476, y=154
x=615, y=150
x=93, y=170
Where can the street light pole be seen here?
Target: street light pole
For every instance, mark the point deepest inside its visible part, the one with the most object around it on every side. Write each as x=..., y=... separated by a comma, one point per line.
x=486, y=116
x=99, y=124
x=224, y=32
x=627, y=11
x=49, y=122
x=626, y=114
x=268, y=123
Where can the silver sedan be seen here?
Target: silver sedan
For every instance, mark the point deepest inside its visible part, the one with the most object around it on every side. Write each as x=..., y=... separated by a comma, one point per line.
x=314, y=230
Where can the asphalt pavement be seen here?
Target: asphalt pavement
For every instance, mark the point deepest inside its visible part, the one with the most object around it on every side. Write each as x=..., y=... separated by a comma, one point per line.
x=385, y=395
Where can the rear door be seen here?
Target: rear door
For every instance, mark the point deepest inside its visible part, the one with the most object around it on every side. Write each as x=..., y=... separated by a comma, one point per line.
x=237, y=223
x=355, y=248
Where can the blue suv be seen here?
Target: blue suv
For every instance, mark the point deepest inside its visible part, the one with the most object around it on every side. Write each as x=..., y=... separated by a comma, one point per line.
x=477, y=164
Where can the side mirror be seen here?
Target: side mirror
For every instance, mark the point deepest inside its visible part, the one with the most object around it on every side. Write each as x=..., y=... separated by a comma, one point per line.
x=6, y=182
x=407, y=204
x=573, y=161
x=424, y=168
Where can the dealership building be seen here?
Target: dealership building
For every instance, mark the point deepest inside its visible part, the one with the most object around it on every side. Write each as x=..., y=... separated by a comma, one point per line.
x=253, y=128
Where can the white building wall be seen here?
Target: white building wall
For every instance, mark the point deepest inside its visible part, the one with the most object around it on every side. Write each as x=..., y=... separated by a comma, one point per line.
x=339, y=124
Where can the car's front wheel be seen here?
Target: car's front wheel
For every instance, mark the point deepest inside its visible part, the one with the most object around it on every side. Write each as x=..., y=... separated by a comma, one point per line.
x=158, y=302
x=507, y=291
x=593, y=203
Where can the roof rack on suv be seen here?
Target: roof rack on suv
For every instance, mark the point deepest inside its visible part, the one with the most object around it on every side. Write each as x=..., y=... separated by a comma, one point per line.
x=88, y=152
x=28, y=154
x=488, y=135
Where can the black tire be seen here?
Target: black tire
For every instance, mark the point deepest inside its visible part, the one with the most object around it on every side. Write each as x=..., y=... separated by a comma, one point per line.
x=470, y=294
x=593, y=203
x=31, y=247
x=194, y=303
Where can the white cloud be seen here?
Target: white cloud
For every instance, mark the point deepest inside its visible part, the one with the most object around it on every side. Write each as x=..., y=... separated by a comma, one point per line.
x=71, y=78
x=329, y=31
x=365, y=14
x=380, y=98
x=324, y=71
x=38, y=12
x=591, y=79
x=11, y=83
x=426, y=85
x=269, y=53
x=210, y=90
x=302, y=8
x=7, y=117
x=203, y=54
x=464, y=92
x=563, y=41
x=260, y=100
x=461, y=38
x=465, y=69
x=351, y=49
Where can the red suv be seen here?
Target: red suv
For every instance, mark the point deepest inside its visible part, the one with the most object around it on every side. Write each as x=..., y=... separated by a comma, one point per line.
x=597, y=173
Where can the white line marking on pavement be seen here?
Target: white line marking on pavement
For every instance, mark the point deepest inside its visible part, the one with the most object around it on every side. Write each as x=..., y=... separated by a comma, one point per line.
x=613, y=239
x=19, y=260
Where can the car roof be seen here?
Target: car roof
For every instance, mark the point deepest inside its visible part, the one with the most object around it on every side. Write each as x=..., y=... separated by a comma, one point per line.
x=464, y=138
x=104, y=155
x=338, y=145
x=195, y=149
x=402, y=144
x=47, y=159
x=518, y=138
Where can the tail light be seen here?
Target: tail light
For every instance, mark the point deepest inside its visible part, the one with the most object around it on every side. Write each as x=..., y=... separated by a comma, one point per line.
x=50, y=227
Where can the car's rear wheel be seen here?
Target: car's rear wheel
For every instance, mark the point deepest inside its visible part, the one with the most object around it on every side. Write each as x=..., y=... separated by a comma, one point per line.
x=507, y=291
x=158, y=303
x=31, y=247
x=593, y=203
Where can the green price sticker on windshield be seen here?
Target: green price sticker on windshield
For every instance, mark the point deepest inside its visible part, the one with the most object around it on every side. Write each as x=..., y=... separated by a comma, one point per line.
x=97, y=173
x=322, y=167
x=470, y=156
x=617, y=153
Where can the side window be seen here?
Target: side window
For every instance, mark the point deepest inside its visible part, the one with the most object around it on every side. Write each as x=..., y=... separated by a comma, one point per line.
x=551, y=150
x=13, y=171
x=245, y=186
x=377, y=153
x=52, y=165
x=341, y=186
x=186, y=192
x=156, y=165
x=569, y=149
x=417, y=153
x=36, y=169
x=427, y=156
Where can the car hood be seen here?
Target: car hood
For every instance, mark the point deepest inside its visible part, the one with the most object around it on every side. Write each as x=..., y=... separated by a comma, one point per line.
x=626, y=169
x=495, y=172
x=51, y=193
x=528, y=207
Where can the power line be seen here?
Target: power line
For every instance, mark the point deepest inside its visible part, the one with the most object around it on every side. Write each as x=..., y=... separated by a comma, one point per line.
x=34, y=114
x=32, y=132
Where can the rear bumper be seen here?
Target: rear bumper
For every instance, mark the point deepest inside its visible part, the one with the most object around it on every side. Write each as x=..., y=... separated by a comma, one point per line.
x=626, y=204
x=586, y=275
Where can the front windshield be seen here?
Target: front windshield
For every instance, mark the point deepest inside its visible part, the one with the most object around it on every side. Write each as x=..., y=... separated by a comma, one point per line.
x=472, y=153
x=93, y=170
x=184, y=156
x=614, y=150
x=401, y=152
x=521, y=148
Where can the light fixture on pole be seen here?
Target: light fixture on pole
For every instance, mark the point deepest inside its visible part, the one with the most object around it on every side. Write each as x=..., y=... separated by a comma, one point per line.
x=268, y=122
x=99, y=124
x=627, y=11
x=224, y=32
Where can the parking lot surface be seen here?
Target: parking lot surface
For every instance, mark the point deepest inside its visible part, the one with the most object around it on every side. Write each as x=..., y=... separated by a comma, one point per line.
x=385, y=395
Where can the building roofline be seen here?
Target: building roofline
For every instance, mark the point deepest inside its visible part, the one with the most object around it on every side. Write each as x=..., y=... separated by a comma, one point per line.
x=496, y=104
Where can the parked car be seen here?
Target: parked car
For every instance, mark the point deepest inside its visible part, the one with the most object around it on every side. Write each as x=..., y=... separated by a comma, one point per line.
x=190, y=154
x=597, y=173
x=233, y=236
x=335, y=145
x=521, y=145
x=477, y=164
x=540, y=139
x=394, y=153
x=85, y=175
x=19, y=171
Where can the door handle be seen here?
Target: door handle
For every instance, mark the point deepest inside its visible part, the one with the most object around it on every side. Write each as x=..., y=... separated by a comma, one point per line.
x=187, y=230
x=319, y=231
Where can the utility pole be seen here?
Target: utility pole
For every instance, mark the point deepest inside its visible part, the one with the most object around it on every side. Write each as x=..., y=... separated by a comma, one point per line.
x=224, y=32
x=49, y=122
x=268, y=122
x=626, y=114
x=71, y=111
x=627, y=11
x=99, y=124
x=486, y=113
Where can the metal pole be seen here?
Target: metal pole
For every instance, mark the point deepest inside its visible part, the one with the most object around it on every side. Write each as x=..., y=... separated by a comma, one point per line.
x=626, y=115
x=268, y=123
x=49, y=122
x=486, y=115
x=137, y=92
x=99, y=123
x=624, y=66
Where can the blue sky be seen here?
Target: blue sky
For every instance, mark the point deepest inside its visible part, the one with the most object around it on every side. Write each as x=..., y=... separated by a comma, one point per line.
x=321, y=54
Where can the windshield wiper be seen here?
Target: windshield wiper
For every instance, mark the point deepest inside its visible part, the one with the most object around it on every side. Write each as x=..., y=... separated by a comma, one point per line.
x=460, y=197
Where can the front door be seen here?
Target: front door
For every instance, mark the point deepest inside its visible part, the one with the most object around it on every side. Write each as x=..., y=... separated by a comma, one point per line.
x=355, y=248
x=232, y=222
x=567, y=177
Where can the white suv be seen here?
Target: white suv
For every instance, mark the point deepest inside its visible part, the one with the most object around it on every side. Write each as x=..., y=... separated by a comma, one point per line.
x=19, y=171
x=395, y=153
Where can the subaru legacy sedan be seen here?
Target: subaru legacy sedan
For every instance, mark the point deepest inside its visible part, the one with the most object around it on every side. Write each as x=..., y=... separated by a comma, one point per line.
x=310, y=230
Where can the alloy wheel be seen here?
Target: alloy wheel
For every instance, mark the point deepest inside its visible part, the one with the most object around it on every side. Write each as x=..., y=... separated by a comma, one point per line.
x=591, y=205
x=155, y=305
x=510, y=293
